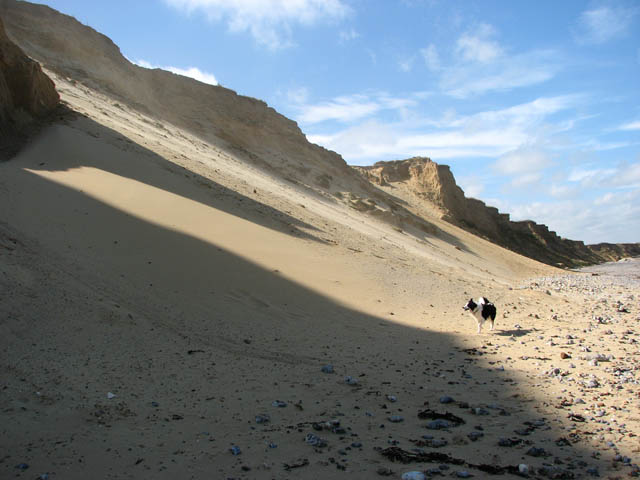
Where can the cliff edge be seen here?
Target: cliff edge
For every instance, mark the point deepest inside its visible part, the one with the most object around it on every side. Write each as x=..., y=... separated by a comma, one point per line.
x=427, y=181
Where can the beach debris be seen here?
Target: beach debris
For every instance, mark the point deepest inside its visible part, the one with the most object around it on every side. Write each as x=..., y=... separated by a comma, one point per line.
x=301, y=463
x=448, y=417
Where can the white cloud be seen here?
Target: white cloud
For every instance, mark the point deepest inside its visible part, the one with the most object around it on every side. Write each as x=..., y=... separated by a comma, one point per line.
x=268, y=21
x=348, y=35
x=406, y=64
x=463, y=79
x=630, y=126
x=612, y=217
x=192, y=72
x=527, y=160
x=479, y=45
x=489, y=134
x=600, y=25
x=350, y=108
x=431, y=57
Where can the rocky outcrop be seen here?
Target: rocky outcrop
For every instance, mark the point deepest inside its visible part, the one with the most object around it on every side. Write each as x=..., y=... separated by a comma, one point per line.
x=26, y=93
x=435, y=183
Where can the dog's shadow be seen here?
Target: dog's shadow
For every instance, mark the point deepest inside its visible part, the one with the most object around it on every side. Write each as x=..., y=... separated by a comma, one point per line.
x=516, y=332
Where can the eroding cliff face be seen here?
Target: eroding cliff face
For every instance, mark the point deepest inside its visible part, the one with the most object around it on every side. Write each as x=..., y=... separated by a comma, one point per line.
x=435, y=183
x=26, y=93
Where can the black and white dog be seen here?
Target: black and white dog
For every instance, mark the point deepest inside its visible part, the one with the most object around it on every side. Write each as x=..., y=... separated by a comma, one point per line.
x=482, y=311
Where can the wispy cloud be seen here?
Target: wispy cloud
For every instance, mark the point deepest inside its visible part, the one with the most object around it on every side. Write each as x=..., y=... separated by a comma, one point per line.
x=348, y=35
x=270, y=22
x=350, y=108
x=603, y=24
x=192, y=72
x=431, y=57
x=479, y=46
x=504, y=72
x=490, y=134
x=630, y=126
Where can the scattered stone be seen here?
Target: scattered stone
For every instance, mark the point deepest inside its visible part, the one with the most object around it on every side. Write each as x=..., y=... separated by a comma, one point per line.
x=396, y=419
x=279, y=403
x=327, y=369
x=315, y=441
x=263, y=418
x=235, y=450
x=349, y=380
x=446, y=399
x=415, y=475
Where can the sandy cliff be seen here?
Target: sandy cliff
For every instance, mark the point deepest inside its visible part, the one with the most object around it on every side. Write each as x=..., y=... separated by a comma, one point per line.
x=426, y=181
x=26, y=93
x=192, y=298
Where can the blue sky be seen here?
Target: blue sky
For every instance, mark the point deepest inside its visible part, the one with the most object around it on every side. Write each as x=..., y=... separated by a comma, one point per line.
x=534, y=105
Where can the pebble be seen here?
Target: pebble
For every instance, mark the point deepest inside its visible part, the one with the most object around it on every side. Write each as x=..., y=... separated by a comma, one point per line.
x=446, y=399
x=415, y=475
x=523, y=469
x=279, y=403
x=235, y=450
x=327, y=369
x=396, y=418
x=264, y=418
x=463, y=474
x=315, y=441
x=349, y=380
x=438, y=424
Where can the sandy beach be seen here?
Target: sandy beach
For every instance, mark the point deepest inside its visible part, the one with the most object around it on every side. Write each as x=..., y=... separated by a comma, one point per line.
x=171, y=310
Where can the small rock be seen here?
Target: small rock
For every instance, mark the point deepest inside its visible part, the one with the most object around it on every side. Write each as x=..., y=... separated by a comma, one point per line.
x=315, y=441
x=463, y=474
x=396, y=418
x=438, y=424
x=279, y=403
x=446, y=399
x=413, y=476
x=263, y=418
x=349, y=380
x=235, y=450
x=327, y=369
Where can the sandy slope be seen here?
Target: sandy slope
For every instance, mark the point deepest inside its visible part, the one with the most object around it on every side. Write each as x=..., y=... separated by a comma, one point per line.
x=138, y=260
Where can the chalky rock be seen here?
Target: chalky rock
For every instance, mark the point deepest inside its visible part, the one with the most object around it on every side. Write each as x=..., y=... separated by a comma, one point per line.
x=523, y=469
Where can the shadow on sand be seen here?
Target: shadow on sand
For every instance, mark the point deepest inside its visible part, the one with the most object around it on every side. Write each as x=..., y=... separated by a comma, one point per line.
x=194, y=356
